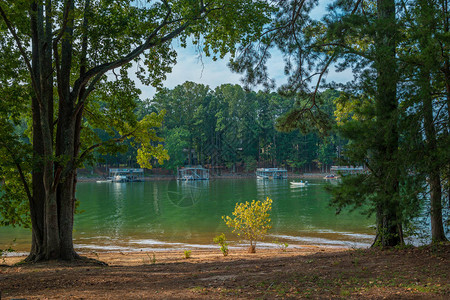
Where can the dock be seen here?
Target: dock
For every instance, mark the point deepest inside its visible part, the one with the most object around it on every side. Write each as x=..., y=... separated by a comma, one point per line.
x=271, y=173
x=126, y=175
x=345, y=170
x=192, y=173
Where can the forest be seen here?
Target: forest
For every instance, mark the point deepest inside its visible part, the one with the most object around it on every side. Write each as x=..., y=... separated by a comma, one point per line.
x=66, y=84
x=232, y=130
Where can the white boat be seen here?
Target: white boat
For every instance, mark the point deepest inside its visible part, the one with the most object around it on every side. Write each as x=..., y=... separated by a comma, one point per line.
x=107, y=179
x=102, y=181
x=297, y=184
x=331, y=176
x=120, y=178
x=126, y=175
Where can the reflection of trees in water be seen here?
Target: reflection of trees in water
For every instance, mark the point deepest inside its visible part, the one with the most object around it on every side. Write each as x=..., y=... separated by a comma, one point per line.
x=299, y=191
x=269, y=187
x=187, y=193
x=264, y=186
x=156, y=200
x=116, y=220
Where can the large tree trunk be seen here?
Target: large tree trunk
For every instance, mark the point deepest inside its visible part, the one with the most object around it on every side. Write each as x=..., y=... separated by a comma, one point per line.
x=52, y=204
x=446, y=71
x=389, y=229
x=65, y=148
x=447, y=87
x=67, y=208
x=433, y=164
x=43, y=206
x=38, y=199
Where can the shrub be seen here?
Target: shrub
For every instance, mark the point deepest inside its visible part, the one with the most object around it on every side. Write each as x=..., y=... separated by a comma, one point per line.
x=251, y=221
x=282, y=245
x=187, y=254
x=4, y=252
x=222, y=241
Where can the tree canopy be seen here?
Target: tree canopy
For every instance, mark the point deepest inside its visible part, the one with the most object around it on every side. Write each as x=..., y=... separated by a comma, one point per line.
x=395, y=111
x=68, y=95
x=67, y=66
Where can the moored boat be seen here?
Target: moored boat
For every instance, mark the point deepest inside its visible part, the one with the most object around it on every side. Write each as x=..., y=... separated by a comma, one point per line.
x=299, y=184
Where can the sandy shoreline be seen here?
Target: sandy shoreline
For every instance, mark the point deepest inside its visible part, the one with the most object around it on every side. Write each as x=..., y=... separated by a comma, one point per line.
x=307, y=272
x=135, y=258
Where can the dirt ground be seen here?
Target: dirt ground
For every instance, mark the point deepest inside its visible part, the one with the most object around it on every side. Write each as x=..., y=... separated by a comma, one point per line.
x=308, y=272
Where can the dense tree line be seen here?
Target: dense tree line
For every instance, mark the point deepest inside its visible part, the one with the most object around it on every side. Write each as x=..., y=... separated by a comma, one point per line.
x=233, y=130
x=395, y=114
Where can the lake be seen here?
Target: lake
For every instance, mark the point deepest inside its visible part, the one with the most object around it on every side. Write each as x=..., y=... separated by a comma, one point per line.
x=161, y=215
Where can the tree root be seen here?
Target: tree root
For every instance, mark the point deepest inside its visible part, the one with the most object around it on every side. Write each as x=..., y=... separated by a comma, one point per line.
x=76, y=259
x=90, y=261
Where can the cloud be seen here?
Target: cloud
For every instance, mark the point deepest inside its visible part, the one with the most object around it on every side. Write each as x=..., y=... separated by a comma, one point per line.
x=190, y=67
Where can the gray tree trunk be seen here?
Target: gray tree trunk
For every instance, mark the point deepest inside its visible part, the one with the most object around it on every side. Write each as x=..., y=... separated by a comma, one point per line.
x=389, y=230
x=433, y=165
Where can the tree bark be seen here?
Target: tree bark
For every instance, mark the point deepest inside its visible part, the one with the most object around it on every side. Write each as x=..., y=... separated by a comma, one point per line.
x=433, y=165
x=389, y=230
x=56, y=155
x=38, y=199
x=252, y=248
x=446, y=72
x=52, y=203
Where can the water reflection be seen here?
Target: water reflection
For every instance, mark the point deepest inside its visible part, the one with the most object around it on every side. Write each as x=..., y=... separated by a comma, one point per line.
x=266, y=187
x=188, y=193
x=172, y=214
x=116, y=220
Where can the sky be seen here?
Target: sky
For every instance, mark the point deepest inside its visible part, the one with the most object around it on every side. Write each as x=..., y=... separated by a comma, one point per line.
x=215, y=73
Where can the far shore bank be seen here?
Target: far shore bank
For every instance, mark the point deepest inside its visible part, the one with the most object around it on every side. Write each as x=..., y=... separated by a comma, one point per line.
x=84, y=178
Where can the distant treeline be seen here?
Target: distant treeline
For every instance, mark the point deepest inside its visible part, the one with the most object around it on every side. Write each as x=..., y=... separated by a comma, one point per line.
x=233, y=130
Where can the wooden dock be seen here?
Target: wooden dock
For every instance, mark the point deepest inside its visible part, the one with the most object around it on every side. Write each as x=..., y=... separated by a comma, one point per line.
x=192, y=173
x=126, y=175
x=271, y=173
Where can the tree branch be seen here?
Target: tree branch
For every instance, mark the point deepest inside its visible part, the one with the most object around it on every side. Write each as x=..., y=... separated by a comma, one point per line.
x=313, y=98
x=55, y=45
x=98, y=71
x=24, y=181
x=19, y=168
x=22, y=52
x=356, y=6
x=95, y=146
x=64, y=25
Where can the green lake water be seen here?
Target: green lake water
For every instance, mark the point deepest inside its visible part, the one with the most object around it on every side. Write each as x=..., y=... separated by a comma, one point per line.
x=159, y=215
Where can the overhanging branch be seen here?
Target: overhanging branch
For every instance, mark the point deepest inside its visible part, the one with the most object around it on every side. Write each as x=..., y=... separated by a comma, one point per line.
x=19, y=169
x=95, y=146
x=22, y=52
